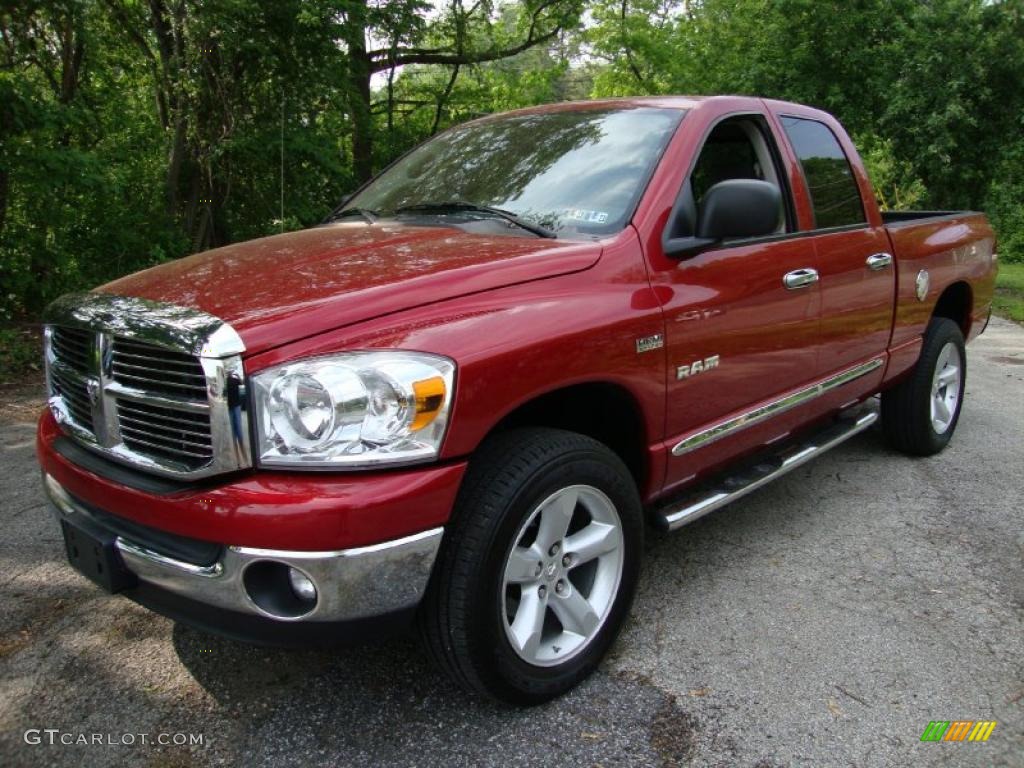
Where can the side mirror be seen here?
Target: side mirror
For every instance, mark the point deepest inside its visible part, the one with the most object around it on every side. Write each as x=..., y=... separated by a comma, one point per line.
x=739, y=208
x=735, y=208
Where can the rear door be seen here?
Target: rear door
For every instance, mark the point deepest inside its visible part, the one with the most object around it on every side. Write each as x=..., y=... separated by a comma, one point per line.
x=857, y=271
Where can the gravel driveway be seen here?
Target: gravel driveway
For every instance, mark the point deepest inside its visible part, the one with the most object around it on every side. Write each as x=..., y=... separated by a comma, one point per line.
x=824, y=620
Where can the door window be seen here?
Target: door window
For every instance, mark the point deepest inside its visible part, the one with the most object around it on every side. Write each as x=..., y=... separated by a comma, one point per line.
x=834, y=193
x=736, y=148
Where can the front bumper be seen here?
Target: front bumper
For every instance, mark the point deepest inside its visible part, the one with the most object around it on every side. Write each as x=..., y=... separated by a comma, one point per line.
x=386, y=579
x=216, y=554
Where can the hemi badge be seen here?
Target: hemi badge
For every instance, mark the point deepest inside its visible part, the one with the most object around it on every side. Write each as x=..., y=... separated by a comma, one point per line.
x=648, y=343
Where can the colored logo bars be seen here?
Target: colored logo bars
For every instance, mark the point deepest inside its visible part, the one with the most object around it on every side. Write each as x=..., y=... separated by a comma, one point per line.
x=958, y=730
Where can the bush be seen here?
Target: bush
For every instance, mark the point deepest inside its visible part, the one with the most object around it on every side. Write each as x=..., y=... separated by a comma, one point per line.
x=1005, y=205
x=896, y=186
x=20, y=353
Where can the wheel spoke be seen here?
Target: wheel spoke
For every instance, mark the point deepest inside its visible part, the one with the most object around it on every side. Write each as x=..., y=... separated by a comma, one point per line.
x=540, y=563
x=528, y=624
x=949, y=374
x=555, y=518
x=522, y=565
x=575, y=613
x=941, y=409
x=593, y=541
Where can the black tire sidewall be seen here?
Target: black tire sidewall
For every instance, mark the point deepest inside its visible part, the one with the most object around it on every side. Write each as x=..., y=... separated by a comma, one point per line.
x=912, y=407
x=941, y=333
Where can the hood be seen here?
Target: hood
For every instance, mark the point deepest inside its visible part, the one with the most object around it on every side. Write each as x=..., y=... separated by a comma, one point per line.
x=279, y=289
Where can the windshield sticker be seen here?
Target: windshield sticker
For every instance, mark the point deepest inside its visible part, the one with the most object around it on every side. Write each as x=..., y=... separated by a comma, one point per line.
x=582, y=214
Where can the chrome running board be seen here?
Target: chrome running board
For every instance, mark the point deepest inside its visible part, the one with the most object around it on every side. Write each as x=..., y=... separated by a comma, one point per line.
x=730, y=487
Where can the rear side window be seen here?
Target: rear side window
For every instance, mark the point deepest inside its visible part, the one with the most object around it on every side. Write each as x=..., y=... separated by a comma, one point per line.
x=830, y=181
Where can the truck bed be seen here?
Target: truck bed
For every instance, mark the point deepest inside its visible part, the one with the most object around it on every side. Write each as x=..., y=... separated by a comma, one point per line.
x=943, y=248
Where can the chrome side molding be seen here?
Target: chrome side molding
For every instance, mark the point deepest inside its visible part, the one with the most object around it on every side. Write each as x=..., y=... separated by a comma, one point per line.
x=731, y=488
x=774, y=408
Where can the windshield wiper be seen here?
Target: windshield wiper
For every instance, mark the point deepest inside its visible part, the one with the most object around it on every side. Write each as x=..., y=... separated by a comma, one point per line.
x=458, y=206
x=369, y=216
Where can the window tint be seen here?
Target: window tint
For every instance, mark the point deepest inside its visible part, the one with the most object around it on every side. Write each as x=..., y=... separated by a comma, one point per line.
x=830, y=181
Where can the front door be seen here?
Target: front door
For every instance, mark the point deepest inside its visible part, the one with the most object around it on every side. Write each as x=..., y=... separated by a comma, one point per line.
x=741, y=321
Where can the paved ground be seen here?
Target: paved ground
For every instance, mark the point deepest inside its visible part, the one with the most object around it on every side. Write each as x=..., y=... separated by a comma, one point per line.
x=823, y=621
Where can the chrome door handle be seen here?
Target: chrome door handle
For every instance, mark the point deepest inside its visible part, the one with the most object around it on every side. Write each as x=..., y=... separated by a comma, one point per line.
x=799, y=278
x=879, y=260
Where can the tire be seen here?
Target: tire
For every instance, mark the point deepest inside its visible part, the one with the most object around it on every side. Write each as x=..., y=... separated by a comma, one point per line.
x=913, y=419
x=490, y=585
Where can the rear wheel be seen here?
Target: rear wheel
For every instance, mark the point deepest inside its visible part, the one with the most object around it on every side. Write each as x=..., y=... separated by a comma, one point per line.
x=538, y=567
x=920, y=414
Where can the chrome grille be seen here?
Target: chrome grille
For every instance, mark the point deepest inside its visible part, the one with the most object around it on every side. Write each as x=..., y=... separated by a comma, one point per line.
x=149, y=384
x=75, y=394
x=179, y=435
x=74, y=348
x=157, y=370
x=161, y=431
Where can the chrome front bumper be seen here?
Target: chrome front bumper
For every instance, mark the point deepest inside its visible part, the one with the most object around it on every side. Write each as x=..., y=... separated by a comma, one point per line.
x=351, y=584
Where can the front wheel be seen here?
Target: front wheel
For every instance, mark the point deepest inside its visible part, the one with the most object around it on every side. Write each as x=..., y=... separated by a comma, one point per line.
x=538, y=568
x=920, y=414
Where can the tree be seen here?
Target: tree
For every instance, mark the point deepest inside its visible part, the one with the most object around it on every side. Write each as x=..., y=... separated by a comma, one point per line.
x=459, y=37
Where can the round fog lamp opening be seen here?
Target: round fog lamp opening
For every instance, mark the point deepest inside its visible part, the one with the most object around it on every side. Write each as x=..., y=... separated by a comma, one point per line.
x=302, y=585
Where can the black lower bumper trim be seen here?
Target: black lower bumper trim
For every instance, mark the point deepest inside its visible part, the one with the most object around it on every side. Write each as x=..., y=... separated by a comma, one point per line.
x=168, y=544
x=259, y=630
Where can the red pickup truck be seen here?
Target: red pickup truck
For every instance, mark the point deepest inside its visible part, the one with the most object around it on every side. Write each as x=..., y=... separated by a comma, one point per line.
x=458, y=401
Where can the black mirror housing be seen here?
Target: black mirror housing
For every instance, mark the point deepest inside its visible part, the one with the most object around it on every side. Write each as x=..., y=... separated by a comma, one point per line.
x=739, y=208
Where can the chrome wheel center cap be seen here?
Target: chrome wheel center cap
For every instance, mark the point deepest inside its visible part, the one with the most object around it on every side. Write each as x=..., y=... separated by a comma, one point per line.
x=551, y=571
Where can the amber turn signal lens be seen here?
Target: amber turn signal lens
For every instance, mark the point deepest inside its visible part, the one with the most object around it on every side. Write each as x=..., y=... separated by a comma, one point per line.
x=429, y=399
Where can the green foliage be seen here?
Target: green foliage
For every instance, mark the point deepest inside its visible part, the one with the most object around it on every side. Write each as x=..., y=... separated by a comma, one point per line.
x=1005, y=205
x=133, y=133
x=939, y=80
x=896, y=186
x=20, y=353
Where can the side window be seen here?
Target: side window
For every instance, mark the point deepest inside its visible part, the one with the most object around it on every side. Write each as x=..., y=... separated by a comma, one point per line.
x=727, y=154
x=830, y=181
x=736, y=148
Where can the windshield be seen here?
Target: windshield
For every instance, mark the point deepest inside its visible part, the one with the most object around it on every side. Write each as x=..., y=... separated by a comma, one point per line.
x=572, y=172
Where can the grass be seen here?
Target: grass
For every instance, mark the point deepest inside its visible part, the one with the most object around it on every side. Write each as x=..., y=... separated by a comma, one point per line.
x=1009, y=298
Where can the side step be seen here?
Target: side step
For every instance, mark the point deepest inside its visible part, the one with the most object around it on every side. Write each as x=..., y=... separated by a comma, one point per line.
x=730, y=487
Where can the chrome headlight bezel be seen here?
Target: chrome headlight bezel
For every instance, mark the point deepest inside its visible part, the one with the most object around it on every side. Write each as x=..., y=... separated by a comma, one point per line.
x=352, y=410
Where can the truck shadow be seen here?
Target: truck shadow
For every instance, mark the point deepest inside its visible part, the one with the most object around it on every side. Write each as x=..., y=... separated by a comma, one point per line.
x=384, y=704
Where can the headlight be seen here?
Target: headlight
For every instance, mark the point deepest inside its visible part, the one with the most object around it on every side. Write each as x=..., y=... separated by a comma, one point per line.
x=353, y=409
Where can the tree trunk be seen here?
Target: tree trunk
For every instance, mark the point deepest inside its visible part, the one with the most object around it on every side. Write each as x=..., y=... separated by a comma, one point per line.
x=167, y=25
x=359, y=71
x=175, y=159
x=442, y=100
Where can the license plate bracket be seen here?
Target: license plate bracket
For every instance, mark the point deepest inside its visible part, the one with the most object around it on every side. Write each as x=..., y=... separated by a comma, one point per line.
x=92, y=551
